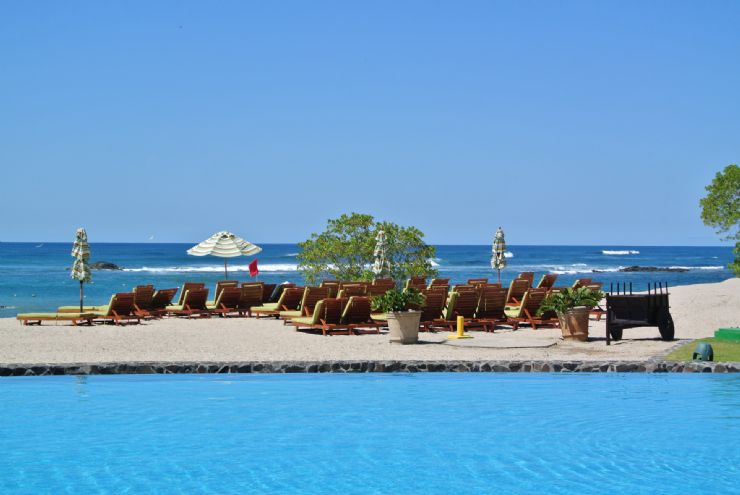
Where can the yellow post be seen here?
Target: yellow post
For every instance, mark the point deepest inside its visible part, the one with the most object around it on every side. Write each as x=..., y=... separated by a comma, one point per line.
x=460, y=330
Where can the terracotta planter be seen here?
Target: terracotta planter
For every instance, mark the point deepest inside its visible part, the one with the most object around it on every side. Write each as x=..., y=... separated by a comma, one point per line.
x=574, y=323
x=403, y=327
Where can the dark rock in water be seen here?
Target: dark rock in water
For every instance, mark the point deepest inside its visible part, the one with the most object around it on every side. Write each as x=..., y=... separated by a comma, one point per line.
x=104, y=265
x=652, y=269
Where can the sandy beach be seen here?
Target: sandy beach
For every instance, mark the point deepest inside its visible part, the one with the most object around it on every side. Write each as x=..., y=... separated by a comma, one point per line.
x=698, y=310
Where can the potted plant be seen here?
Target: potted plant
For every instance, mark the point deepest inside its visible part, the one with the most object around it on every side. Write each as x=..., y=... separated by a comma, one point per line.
x=403, y=322
x=572, y=307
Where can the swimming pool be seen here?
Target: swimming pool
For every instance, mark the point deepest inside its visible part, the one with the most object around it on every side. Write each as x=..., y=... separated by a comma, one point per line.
x=373, y=433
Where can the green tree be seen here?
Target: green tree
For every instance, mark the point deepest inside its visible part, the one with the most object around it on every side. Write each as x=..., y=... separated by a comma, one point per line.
x=344, y=250
x=721, y=208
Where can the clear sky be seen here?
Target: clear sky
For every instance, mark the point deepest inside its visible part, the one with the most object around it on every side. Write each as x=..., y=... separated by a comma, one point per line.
x=565, y=122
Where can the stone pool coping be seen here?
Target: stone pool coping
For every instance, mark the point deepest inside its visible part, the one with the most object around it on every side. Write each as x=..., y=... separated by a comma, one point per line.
x=368, y=366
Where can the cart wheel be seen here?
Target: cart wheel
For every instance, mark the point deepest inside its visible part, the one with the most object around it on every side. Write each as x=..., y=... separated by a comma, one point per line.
x=665, y=325
x=616, y=333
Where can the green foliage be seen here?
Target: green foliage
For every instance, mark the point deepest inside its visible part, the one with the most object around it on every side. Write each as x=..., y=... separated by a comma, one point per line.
x=344, y=250
x=566, y=299
x=720, y=208
x=396, y=300
x=723, y=350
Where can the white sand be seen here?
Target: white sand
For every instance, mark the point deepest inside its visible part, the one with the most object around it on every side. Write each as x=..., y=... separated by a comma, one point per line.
x=698, y=310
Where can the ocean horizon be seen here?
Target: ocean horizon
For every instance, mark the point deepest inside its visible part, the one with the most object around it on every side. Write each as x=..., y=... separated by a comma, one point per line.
x=34, y=275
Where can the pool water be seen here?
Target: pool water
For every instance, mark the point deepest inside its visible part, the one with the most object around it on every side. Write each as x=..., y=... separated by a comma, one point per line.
x=371, y=433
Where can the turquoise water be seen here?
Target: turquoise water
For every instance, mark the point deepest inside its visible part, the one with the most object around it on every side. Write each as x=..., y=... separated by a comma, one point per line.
x=371, y=433
x=35, y=277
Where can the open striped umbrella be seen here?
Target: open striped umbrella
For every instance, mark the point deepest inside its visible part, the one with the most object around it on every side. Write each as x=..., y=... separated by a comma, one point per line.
x=498, y=252
x=224, y=245
x=81, y=254
x=381, y=263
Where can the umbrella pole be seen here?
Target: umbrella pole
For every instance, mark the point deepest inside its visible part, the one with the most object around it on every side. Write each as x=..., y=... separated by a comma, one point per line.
x=80, y=296
x=499, y=276
x=226, y=270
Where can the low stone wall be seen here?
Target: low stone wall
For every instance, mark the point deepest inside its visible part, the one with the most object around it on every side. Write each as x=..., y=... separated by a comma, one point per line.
x=368, y=367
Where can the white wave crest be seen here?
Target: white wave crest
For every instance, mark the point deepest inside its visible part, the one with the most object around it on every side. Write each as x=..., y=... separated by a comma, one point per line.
x=433, y=263
x=697, y=267
x=619, y=252
x=268, y=267
x=508, y=254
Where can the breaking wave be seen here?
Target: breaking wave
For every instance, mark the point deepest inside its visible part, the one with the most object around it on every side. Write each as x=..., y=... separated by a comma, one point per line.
x=619, y=252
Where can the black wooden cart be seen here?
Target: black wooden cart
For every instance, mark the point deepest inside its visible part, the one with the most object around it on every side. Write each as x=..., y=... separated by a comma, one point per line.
x=628, y=310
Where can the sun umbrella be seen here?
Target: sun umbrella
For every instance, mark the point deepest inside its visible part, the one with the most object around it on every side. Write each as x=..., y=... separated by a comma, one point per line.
x=81, y=253
x=224, y=245
x=498, y=258
x=381, y=264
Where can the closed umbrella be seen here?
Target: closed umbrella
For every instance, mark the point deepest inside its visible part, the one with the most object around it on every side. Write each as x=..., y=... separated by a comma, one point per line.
x=224, y=245
x=81, y=253
x=498, y=252
x=381, y=264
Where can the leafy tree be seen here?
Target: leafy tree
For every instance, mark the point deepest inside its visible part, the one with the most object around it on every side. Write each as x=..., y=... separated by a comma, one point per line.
x=721, y=208
x=344, y=250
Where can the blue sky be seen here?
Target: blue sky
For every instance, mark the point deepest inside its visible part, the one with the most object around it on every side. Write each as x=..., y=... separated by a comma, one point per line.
x=564, y=122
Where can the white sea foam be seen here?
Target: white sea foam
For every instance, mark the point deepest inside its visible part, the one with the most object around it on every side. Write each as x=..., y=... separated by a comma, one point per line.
x=619, y=252
x=268, y=267
x=697, y=267
x=433, y=263
x=508, y=254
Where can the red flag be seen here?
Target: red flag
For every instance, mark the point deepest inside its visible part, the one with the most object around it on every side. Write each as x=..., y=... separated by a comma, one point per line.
x=253, y=270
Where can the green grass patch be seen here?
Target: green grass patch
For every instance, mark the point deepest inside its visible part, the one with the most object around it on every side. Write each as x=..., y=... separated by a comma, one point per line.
x=723, y=350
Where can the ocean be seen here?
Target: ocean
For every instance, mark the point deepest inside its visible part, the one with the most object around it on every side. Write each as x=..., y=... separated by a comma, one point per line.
x=35, y=276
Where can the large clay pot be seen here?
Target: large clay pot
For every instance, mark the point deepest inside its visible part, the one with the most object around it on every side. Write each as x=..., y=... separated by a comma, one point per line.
x=403, y=327
x=574, y=323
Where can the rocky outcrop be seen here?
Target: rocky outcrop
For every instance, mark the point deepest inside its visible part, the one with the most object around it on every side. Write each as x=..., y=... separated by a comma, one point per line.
x=370, y=367
x=636, y=268
x=104, y=265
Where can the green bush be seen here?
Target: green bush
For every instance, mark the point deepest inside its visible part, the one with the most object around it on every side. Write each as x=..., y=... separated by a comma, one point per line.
x=396, y=300
x=566, y=299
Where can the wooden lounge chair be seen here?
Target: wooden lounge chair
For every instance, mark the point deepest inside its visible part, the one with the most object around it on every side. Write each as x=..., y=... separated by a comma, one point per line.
x=221, y=285
x=460, y=304
x=491, y=307
x=517, y=288
x=161, y=299
x=431, y=310
x=356, y=314
x=266, y=291
x=186, y=287
x=418, y=283
x=380, y=286
x=143, y=298
x=332, y=285
x=193, y=303
x=527, y=276
x=311, y=297
x=227, y=301
x=527, y=312
x=326, y=317
x=477, y=281
x=120, y=309
x=250, y=296
x=350, y=290
x=290, y=300
x=547, y=281
x=581, y=282
x=439, y=281
x=73, y=318
x=277, y=292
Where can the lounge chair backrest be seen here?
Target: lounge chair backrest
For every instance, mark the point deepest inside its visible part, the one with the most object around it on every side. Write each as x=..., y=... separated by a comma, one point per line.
x=249, y=296
x=311, y=296
x=517, y=288
x=477, y=281
x=462, y=304
x=122, y=304
x=332, y=285
x=229, y=298
x=350, y=290
x=221, y=284
x=381, y=286
x=439, y=281
x=267, y=290
x=290, y=299
x=547, y=281
x=434, y=304
x=532, y=301
x=416, y=283
x=492, y=303
x=143, y=296
x=329, y=310
x=595, y=286
x=357, y=310
x=261, y=285
x=581, y=282
x=439, y=288
x=163, y=298
x=528, y=276
x=189, y=286
x=462, y=288
x=195, y=299
x=278, y=291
